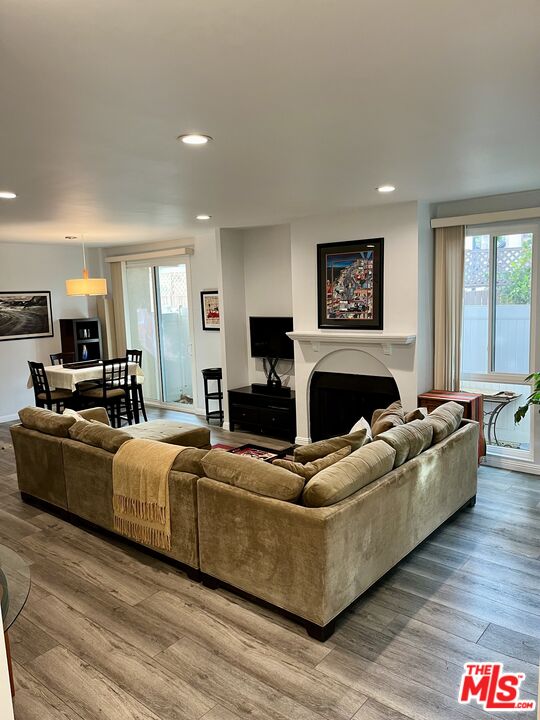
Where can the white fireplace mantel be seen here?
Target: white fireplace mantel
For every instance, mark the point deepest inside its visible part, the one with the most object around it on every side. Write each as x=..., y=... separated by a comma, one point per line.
x=386, y=340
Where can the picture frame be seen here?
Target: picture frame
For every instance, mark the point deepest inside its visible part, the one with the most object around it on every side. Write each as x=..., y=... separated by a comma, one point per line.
x=350, y=284
x=25, y=315
x=210, y=310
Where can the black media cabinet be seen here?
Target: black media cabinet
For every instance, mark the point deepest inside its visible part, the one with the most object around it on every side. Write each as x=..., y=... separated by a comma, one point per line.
x=263, y=413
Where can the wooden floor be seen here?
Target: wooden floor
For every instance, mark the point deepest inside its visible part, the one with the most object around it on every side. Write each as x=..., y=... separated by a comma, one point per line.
x=110, y=633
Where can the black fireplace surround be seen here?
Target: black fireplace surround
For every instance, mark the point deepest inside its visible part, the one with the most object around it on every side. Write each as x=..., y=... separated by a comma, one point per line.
x=338, y=400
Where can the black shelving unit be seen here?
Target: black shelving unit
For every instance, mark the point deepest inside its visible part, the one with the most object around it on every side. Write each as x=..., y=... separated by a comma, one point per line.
x=76, y=333
x=263, y=413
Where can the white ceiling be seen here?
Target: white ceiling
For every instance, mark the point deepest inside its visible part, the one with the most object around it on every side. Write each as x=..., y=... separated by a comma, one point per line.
x=312, y=103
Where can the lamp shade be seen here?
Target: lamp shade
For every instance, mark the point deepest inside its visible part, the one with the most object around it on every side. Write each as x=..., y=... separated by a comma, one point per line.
x=86, y=285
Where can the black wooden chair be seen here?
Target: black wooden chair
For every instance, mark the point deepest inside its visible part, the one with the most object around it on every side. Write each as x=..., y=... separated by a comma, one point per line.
x=135, y=356
x=113, y=391
x=62, y=357
x=44, y=396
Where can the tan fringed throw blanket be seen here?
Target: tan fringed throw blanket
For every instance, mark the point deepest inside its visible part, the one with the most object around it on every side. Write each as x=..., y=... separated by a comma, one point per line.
x=141, y=491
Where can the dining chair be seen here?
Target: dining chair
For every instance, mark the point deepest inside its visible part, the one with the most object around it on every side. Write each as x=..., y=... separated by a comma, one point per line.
x=62, y=357
x=112, y=392
x=44, y=396
x=135, y=356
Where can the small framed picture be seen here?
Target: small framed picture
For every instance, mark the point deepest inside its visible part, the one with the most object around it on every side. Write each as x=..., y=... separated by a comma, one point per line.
x=350, y=284
x=25, y=315
x=210, y=310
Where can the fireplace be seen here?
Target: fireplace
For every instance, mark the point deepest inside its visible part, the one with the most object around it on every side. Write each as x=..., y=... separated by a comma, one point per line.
x=338, y=400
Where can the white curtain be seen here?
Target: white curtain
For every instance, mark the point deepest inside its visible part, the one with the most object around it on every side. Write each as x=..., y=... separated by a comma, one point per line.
x=118, y=306
x=449, y=263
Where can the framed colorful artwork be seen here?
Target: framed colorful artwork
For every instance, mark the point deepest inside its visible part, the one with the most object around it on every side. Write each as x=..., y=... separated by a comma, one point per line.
x=350, y=284
x=210, y=310
x=25, y=315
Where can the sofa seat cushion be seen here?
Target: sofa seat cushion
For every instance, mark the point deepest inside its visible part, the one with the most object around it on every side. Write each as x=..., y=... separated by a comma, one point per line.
x=257, y=476
x=171, y=432
x=189, y=460
x=445, y=420
x=408, y=440
x=383, y=420
x=309, y=453
x=46, y=421
x=308, y=470
x=349, y=475
x=98, y=435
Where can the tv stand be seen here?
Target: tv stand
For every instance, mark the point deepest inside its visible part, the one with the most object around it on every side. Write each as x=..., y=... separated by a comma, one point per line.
x=263, y=411
x=267, y=389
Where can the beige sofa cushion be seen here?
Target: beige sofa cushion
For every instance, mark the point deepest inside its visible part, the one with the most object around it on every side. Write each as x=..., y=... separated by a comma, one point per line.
x=190, y=460
x=46, y=421
x=383, y=420
x=99, y=414
x=308, y=470
x=408, y=440
x=256, y=476
x=98, y=435
x=414, y=415
x=349, y=475
x=309, y=453
x=445, y=420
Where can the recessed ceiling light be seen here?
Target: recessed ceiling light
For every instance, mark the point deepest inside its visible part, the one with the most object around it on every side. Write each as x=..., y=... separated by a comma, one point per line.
x=386, y=188
x=194, y=138
x=203, y=217
x=5, y=195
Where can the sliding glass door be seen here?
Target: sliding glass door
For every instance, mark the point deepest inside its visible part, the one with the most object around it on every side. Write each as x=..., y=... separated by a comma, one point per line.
x=158, y=321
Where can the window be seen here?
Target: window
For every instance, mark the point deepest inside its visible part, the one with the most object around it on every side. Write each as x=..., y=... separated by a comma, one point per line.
x=497, y=332
x=497, y=304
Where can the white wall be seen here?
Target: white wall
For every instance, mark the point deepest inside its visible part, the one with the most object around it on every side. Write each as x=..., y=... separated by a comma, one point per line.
x=268, y=286
x=204, y=276
x=30, y=267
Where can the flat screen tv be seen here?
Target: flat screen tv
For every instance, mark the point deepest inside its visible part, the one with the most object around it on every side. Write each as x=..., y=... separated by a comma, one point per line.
x=268, y=338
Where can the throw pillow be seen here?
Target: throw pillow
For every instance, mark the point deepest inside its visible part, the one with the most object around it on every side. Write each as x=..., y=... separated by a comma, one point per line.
x=445, y=420
x=308, y=453
x=408, y=440
x=98, y=435
x=256, y=476
x=310, y=469
x=73, y=413
x=383, y=420
x=354, y=472
x=363, y=424
x=414, y=415
x=46, y=421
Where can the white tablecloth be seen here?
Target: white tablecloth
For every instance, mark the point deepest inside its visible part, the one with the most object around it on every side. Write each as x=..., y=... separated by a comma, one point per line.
x=67, y=378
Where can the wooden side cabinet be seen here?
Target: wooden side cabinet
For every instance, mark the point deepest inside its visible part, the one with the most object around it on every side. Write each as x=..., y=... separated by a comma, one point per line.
x=80, y=333
x=473, y=409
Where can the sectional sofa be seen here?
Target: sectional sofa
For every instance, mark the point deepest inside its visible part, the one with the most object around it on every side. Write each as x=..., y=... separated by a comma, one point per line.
x=308, y=546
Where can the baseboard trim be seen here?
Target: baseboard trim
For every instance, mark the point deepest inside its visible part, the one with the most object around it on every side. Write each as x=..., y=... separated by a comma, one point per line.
x=8, y=418
x=226, y=426
x=302, y=440
x=506, y=463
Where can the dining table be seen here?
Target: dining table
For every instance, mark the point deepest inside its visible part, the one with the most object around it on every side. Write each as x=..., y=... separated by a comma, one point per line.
x=67, y=378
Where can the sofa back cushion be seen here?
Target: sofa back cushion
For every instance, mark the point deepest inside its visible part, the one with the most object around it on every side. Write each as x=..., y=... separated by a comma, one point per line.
x=349, y=475
x=383, y=420
x=445, y=420
x=309, y=453
x=99, y=414
x=189, y=460
x=46, y=421
x=256, y=476
x=408, y=440
x=308, y=470
x=98, y=435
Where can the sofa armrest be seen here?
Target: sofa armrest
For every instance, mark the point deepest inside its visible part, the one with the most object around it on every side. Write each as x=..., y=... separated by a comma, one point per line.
x=314, y=562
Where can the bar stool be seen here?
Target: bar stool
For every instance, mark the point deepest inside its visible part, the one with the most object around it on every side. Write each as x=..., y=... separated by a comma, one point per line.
x=213, y=374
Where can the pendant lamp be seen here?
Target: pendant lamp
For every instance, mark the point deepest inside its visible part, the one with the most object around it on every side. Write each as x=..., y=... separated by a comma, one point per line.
x=85, y=285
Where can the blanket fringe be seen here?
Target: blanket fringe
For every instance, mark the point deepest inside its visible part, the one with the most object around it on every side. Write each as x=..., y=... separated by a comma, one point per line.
x=147, y=535
x=138, y=508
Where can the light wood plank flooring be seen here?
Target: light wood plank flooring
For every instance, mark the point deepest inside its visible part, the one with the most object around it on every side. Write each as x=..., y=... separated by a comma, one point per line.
x=110, y=633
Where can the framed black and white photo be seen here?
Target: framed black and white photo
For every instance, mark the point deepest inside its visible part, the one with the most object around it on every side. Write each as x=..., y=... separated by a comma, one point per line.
x=25, y=315
x=350, y=284
x=210, y=310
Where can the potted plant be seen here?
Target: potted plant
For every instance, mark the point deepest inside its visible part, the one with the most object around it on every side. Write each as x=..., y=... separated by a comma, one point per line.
x=533, y=399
